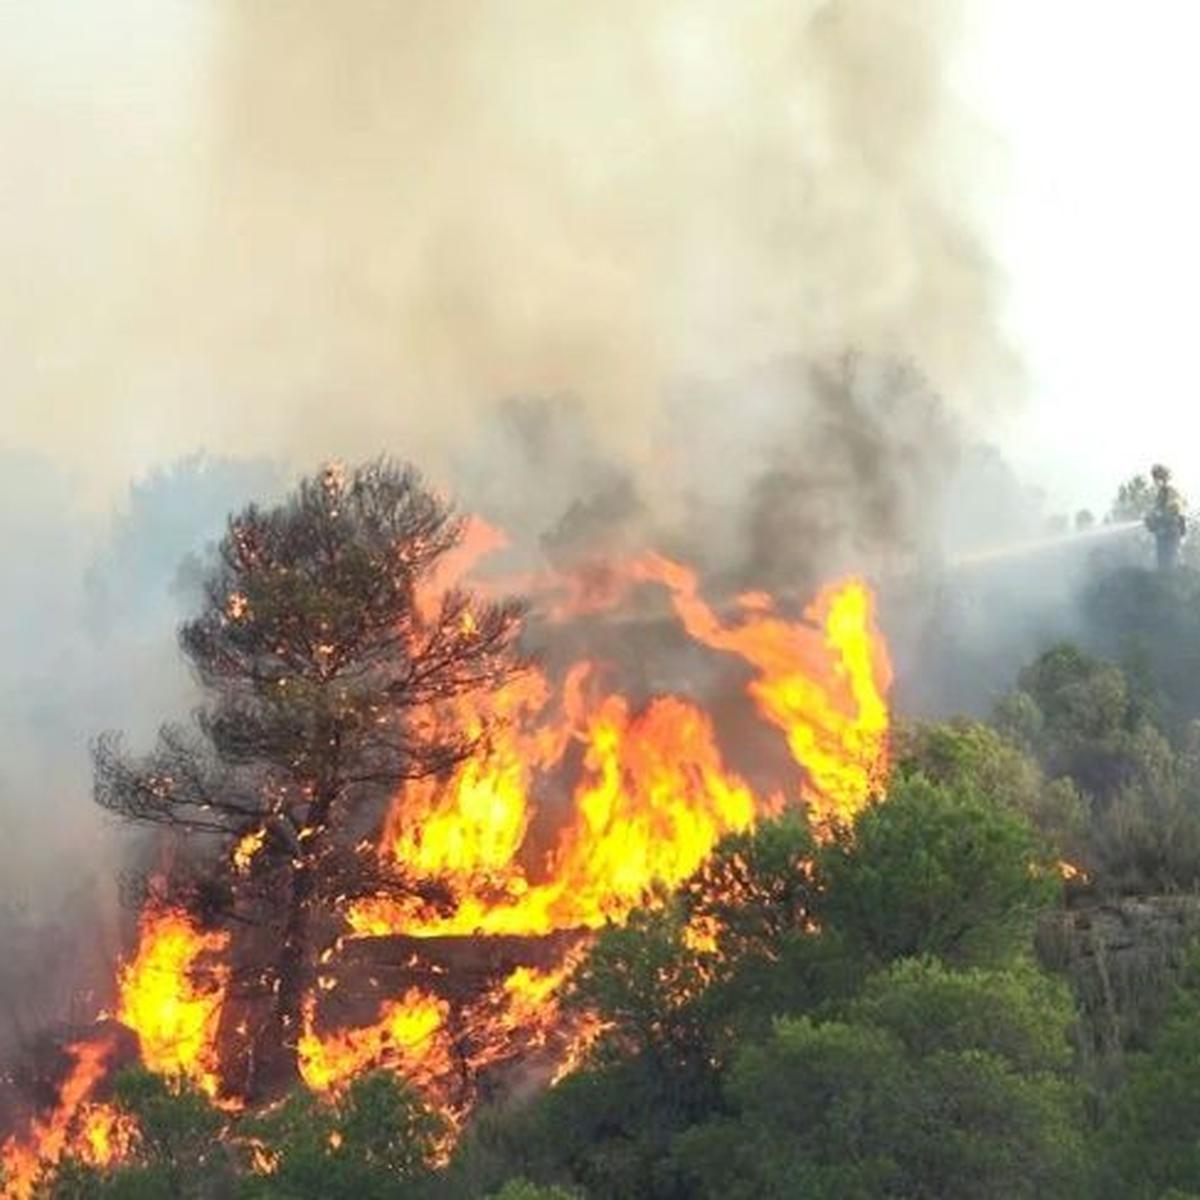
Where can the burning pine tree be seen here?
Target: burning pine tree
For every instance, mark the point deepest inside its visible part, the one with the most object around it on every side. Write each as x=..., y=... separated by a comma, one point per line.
x=396, y=839
x=324, y=637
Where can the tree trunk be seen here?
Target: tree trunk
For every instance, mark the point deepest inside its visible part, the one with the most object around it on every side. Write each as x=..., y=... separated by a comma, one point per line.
x=275, y=1067
x=275, y=1070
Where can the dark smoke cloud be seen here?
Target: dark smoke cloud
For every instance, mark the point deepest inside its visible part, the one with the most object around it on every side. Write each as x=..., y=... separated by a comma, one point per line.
x=834, y=466
x=789, y=474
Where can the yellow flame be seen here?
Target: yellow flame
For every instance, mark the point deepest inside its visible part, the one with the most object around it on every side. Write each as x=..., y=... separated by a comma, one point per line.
x=409, y=1036
x=642, y=796
x=170, y=1002
x=653, y=796
x=823, y=682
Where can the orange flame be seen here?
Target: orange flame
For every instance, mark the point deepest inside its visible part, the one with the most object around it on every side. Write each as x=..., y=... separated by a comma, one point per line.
x=106, y=1135
x=170, y=1002
x=823, y=682
x=522, y=1013
x=95, y=1133
x=409, y=1037
x=652, y=801
x=527, y=990
x=651, y=795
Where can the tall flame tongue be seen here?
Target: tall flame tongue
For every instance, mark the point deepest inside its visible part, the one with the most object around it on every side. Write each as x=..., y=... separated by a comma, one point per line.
x=652, y=800
x=171, y=1001
x=822, y=682
x=95, y=1133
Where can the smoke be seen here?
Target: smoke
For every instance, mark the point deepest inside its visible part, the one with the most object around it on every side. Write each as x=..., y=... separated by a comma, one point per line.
x=596, y=268
x=313, y=230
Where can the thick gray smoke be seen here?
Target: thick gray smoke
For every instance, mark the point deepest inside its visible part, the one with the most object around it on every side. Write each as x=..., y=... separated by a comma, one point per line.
x=309, y=230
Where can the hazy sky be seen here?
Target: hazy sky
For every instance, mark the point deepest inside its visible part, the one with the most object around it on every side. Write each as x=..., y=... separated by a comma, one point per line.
x=150, y=291
x=1100, y=229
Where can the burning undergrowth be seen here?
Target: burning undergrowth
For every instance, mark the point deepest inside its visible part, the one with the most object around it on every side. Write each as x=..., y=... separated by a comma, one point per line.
x=606, y=770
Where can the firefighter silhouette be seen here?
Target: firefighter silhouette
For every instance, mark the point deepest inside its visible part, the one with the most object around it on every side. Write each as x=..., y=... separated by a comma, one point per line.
x=1165, y=519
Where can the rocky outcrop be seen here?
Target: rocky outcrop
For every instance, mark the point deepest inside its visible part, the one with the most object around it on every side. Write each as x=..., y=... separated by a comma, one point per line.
x=1124, y=957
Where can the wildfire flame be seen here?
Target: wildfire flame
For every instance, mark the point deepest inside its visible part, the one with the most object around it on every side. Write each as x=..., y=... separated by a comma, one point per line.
x=823, y=682
x=95, y=1133
x=170, y=1002
x=175, y=1017
x=577, y=806
x=651, y=795
x=408, y=1037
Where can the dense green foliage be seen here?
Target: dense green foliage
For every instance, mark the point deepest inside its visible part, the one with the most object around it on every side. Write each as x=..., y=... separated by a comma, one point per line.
x=933, y=1083
x=1087, y=722
x=936, y=869
x=845, y=1039
x=1154, y=1130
